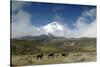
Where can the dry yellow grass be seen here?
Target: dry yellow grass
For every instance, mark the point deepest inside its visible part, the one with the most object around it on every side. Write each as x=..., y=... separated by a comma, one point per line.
x=19, y=60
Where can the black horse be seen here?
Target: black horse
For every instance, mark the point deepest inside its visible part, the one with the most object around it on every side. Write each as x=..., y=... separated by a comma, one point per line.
x=39, y=56
x=51, y=55
x=64, y=54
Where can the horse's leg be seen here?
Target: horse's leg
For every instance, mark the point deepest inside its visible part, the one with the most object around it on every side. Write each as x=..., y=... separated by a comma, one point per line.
x=37, y=57
x=67, y=54
x=41, y=57
x=48, y=57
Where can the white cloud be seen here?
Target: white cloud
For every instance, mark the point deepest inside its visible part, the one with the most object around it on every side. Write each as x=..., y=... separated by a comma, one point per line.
x=91, y=31
x=17, y=5
x=90, y=13
x=84, y=28
x=21, y=25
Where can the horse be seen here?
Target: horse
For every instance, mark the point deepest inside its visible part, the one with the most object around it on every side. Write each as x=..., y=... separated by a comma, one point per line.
x=57, y=55
x=64, y=54
x=78, y=54
x=39, y=56
x=51, y=55
x=30, y=60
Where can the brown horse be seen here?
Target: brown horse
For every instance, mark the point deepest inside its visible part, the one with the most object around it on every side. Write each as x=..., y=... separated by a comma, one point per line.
x=30, y=60
x=39, y=56
x=51, y=55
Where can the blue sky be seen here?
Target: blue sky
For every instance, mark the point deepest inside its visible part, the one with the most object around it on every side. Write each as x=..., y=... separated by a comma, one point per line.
x=45, y=13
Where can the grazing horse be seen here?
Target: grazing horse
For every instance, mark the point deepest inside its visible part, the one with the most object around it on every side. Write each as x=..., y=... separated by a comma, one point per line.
x=78, y=54
x=30, y=60
x=56, y=55
x=51, y=55
x=64, y=54
x=39, y=56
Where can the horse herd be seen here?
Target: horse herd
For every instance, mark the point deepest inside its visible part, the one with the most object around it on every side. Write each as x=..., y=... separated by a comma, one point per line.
x=32, y=58
x=49, y=56
x=52, y=55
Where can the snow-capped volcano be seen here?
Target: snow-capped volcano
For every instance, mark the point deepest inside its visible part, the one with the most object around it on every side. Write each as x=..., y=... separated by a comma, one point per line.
x=54, y=28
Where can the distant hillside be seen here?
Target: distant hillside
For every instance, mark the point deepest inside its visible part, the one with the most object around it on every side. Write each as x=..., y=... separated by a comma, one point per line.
x=46, y=44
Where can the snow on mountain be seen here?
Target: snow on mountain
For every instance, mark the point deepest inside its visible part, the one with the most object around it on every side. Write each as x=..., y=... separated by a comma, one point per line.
x=54, y=28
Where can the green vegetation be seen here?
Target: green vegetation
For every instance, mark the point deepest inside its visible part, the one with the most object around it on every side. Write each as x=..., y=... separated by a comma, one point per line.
x=29, y=47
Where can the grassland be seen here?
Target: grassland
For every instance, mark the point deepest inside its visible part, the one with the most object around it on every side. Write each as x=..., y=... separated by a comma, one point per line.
x=24, y=52
x=19, y=60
